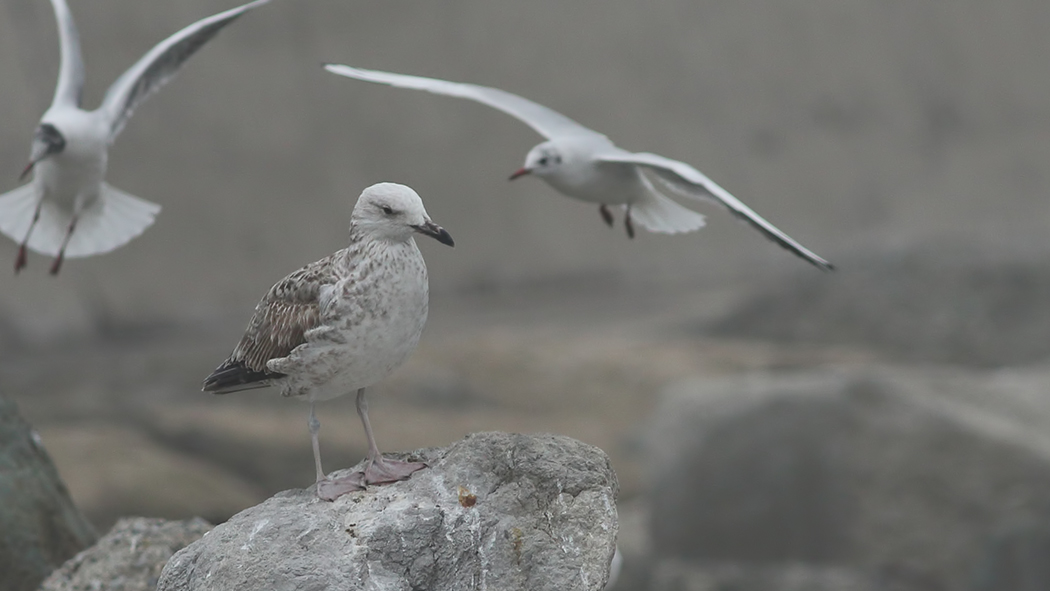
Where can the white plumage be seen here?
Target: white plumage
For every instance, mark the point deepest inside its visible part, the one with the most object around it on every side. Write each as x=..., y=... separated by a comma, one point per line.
x=67, y=210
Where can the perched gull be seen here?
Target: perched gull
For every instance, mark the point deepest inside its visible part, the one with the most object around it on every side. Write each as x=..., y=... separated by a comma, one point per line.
x=68, y=210
x=343, y=323
x=586, y=165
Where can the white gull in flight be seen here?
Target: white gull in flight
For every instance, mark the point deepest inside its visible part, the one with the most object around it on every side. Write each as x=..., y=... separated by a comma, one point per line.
x=343, y=323
x=586, y=165
x=68, y=210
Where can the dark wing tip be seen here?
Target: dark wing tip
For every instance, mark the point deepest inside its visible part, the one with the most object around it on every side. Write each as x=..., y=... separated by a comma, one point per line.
x=234, y=376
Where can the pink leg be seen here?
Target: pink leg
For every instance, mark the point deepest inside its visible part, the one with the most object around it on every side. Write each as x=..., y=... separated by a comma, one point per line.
x=607, y=215
x=20, y=260
x=55, y=266
x=330, y=489
x=379, y=470
x=628, y=224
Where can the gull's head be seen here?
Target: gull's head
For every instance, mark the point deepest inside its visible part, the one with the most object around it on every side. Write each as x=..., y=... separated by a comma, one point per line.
x=389, y=211
x=545, y=159
x=47, y=140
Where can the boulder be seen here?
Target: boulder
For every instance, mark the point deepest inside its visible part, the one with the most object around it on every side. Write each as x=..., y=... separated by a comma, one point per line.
x=39, y=525
x=128, y=558
x=492, y=511
x=874, y=469
x=918, y=307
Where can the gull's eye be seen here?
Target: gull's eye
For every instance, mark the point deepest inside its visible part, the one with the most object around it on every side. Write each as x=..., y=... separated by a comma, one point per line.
x=543, y=161
x=388, y=210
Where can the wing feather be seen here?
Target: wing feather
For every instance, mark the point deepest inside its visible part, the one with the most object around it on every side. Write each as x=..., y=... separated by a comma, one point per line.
x=70, y=85
x=545, y=121
x=690, y=182
x=160, y=65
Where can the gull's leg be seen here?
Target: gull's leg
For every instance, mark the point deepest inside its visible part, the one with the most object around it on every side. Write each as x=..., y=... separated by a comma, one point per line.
x=607, y=215
x=55, y=266
x=627, y=223
x=330, y=489
x=20, y=260
x=315, y=429
x=379, y=470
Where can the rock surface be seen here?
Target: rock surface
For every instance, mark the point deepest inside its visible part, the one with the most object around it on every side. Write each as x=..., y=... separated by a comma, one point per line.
x=39, y=525
x=493, y=511
x=128, y=558
x=915, y=308
x=871, y=470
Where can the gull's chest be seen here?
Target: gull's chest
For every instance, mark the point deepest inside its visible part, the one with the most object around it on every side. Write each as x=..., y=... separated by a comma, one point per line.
x=371, y=320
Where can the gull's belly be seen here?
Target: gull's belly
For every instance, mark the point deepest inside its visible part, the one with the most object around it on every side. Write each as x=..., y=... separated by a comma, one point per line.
x=72, y=175
x=368, y=333
x=611, y=185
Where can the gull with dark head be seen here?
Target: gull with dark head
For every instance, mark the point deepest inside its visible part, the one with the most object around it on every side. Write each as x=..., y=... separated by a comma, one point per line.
x=68, y=210
x=584, y=164
x=343, y=323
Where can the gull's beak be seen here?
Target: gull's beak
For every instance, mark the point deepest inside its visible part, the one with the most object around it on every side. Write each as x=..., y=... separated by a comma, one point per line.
x=429, y=228
x=520, y=172
x=25, y=171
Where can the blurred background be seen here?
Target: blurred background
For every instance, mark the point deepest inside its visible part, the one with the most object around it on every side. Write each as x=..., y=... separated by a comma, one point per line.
x=883, y=427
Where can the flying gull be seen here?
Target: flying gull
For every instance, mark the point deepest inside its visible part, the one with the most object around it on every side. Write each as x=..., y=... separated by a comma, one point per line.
x=343, y=323
x=584, y=164
x=68, y=210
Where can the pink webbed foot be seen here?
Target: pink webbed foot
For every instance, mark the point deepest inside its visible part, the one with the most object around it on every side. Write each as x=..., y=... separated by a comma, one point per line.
x=384, y=471
x=331, y=489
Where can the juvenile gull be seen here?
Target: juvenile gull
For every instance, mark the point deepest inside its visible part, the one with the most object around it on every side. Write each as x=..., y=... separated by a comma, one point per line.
x=584, y=164
x=343, y=323
x=68, y=210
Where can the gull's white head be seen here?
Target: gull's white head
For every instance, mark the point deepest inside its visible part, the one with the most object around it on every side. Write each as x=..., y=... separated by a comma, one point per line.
x=543, y=160
x=389, y=211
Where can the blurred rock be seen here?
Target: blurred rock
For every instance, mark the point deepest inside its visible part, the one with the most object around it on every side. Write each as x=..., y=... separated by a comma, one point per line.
x=128, y=558
x=39, y=525
x=680, y=575
x=1017, y=560
x=117, y=470
x=918, y=308
x=493, y=510
x=874, y=470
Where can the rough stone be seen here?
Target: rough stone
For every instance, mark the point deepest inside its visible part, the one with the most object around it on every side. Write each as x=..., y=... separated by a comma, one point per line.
x=128, y=558
x=493, y=511
x=39, y=525
x=873, y=470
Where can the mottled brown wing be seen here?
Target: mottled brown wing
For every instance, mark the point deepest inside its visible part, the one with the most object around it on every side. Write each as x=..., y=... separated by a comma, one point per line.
x=281, y=319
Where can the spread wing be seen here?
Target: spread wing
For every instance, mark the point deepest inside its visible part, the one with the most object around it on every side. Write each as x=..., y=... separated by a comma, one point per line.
x=281, y=319
x=690, y=182
x=71, y=71
x=547, y=122
x=160, y=65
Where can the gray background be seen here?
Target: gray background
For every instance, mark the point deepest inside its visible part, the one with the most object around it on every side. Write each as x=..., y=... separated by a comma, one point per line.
x=905, y=141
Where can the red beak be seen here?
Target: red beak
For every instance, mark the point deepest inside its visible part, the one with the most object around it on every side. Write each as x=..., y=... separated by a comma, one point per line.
x=520, y=172
x=25, y=171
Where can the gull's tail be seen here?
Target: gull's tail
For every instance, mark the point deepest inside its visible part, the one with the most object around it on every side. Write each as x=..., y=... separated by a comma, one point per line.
x=111, y=221
x=657, y=212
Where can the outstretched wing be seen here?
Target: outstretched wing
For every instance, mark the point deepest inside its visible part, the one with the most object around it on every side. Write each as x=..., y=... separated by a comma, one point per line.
x=281, y=319
x=71, y=71
x=546, y=122
x=160, y=65
x=690, y=182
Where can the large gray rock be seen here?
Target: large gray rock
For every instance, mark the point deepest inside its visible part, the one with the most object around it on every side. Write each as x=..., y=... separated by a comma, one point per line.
x=128, y=558
x=876, y=470
x=493, y=511
x=918, y=307
x=39, y=525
